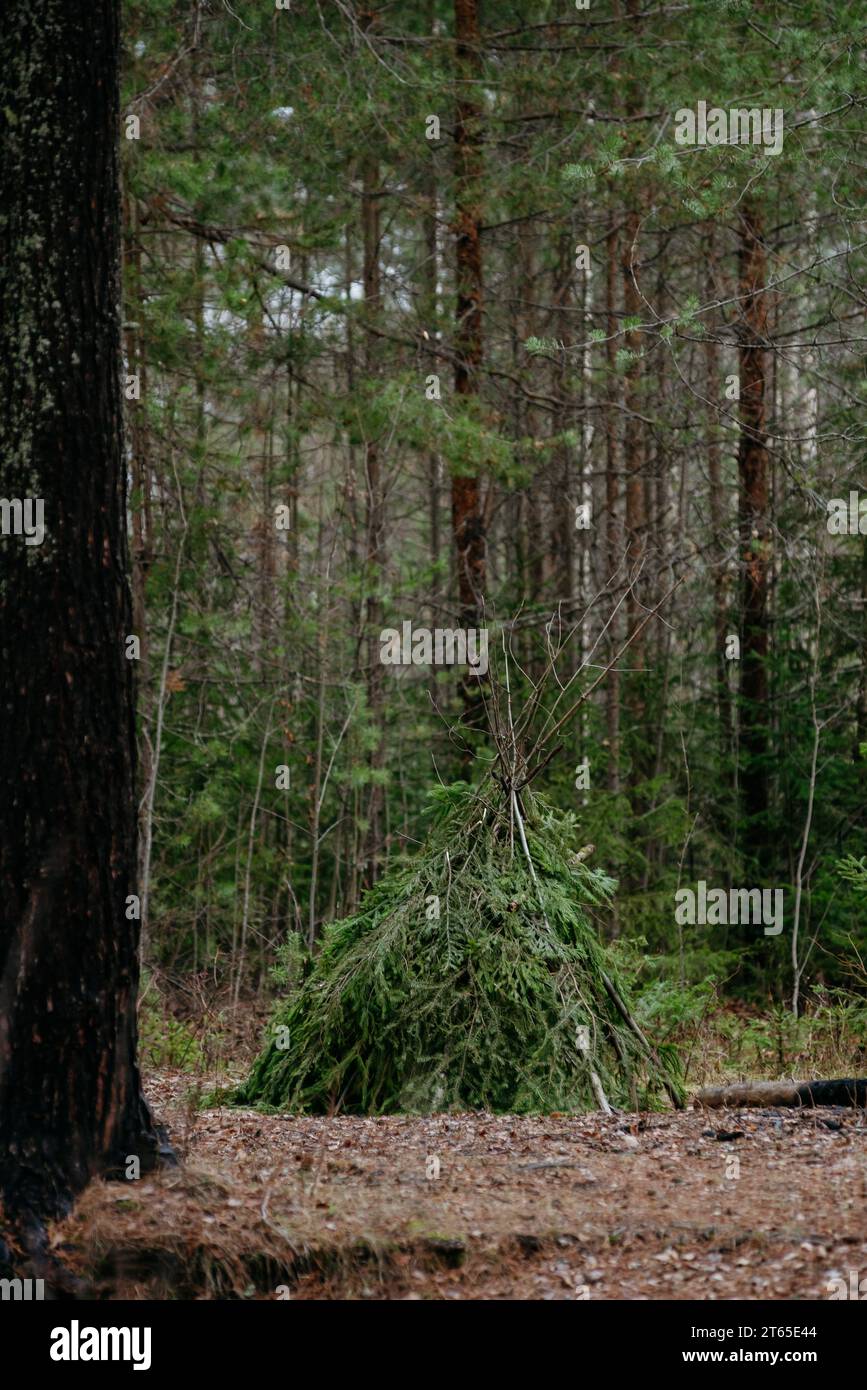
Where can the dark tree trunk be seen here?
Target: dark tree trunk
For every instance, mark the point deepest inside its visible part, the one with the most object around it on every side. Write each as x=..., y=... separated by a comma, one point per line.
x=717, y=521
x=429, y=317
x=467, y=519
x=636, y=513
x=142, y=528
x=71, y=1104
x=614, y=556
x=374, y=521
x=753, y=472
x=562, y=481
x=861, y=704
x=634, y=462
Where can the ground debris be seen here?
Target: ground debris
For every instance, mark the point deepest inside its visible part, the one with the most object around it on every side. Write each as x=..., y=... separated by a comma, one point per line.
x=479, y=1206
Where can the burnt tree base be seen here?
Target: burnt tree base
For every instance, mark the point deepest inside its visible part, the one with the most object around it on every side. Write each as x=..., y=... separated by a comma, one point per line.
x=25, y=1210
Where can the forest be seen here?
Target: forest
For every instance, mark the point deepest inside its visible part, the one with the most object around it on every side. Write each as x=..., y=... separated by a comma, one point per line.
x=433, y=619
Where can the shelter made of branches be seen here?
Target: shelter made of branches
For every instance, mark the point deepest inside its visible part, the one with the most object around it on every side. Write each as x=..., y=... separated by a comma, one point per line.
x=471, y=978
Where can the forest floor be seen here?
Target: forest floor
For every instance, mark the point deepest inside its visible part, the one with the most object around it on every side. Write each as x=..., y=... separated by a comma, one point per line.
x=545, y=1207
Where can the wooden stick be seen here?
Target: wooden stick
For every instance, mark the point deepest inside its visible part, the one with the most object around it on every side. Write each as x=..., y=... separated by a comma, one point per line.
x=601, y=1098
x=618, y=1003
x=598, y=1092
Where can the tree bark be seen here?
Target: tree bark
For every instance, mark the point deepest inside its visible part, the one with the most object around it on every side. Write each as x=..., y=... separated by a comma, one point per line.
x=612, y=522
x=142, y=530
x=71, y=1104
x=634, y=459
x=430, y=318
x=713, y=387
x=374, y=523
x=561, y=486
x=861, y=702
x=753, y=474
x=467, y=520
x=636, y=514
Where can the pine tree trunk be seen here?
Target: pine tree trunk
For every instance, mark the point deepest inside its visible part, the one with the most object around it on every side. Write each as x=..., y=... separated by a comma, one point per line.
x=717, y=519
x=71, y=1104
x=612, y=521
x=636, y=515
x=374, y=523
x=430, y=317
x=142, y=534
x=562, y=481
x=467, y=520
x=753, y=472
x=861, y=704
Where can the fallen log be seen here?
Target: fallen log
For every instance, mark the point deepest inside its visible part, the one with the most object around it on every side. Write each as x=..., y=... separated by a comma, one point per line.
x=851, y=1091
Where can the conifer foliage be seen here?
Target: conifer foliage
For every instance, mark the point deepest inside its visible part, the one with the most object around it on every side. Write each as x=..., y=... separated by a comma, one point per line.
x=471, y=977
